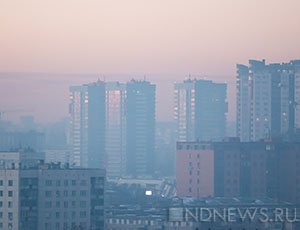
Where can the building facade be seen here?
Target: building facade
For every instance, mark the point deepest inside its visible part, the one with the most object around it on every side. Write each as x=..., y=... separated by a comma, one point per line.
x=140, y=132
x=200, y=110
x=87, y=125
x=35, y=195
x=184, y=110
x=115, y=140
x=265, y=169
x=266, y=100
x=195, y=169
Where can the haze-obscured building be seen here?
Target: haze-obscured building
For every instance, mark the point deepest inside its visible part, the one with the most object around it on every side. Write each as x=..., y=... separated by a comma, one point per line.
x=200, y=110
x=14, y=140
x=87, y=125
x=165, y=148
x=140, y=133
x=267, y=100
x=115, y=140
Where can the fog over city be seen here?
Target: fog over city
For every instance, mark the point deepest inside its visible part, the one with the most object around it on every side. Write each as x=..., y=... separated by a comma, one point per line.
x=45, y=95
x=135, y=114
x=120, y=40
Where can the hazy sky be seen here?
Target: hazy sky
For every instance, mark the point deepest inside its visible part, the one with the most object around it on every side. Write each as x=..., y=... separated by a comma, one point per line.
x=161, y=38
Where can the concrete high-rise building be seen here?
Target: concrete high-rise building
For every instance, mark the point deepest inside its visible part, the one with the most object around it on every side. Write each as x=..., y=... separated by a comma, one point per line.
x=266, y=97
x=140, y=134
x=296, y=65
x=184, y=110
x=200, y=110
x=87, y=125
x=35, y=195
x=115, y=140
x=244, y=94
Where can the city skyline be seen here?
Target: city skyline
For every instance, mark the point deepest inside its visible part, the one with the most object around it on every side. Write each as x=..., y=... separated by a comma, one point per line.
x=149, y=114
x=164, y=41
x=50, y=109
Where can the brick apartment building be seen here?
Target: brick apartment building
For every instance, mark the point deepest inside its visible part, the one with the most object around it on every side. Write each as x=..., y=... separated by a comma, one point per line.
x=266, y=169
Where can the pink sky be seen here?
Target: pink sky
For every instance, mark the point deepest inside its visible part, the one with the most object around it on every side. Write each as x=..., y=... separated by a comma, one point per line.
x=139, y=37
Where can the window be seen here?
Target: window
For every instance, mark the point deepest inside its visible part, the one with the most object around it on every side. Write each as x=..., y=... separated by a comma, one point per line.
x=66, y=183
x=48, y=194
x=1, y=193
x=82, y=214
x=10, y=182
x=82, y=193
x=10, y=215
x=73, y=203
x=10, y=204
x=57, y=193
x=82, y=204
x=10, y=193
x=1, y=204
x=57, y=204
x=57, y=214
x=48, y=182
x=1, y=182
x=58, y=183
x=83, y=182
x=65, y=193
x=66, y=204
x=73, y=182
x=73, y=193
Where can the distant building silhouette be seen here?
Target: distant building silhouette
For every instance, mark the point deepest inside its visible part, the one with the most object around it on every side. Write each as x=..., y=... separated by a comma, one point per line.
x=140, y=121
x=200, y=110
x=115, y=140
x=87, y=125
x=21, y=140
x=113, y=127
